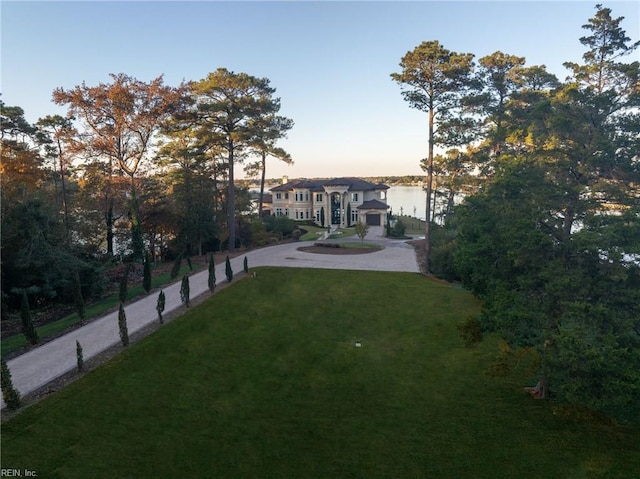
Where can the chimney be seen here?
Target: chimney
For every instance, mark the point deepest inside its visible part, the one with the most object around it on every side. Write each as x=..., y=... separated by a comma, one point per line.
x=285, y=180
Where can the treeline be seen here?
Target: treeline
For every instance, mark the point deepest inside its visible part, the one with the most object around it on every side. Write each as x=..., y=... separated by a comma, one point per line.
x=548, y=235
x=406, y=180
x=135, y=170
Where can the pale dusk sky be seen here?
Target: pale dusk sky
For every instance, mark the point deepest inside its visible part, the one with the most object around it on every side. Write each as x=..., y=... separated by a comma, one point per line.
x=330, y=62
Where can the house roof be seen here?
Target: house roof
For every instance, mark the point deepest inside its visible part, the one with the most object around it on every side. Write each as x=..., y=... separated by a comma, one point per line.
x=352, y=184
x=373, y=205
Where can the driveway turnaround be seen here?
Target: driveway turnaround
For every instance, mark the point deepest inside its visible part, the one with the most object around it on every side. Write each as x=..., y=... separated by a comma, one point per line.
x=39, y=366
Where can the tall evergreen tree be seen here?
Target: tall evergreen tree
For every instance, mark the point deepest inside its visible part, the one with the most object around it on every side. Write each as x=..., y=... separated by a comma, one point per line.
x=228, y=105
x=551, y=243
x=436, y=80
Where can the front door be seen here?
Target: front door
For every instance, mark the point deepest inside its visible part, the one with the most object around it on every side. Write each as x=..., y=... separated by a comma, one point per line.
x=335, y=209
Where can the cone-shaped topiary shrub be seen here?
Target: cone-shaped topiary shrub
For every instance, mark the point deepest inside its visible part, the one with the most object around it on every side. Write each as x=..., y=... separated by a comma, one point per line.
x=10, y=395
x=228, y=270
x=122, y=326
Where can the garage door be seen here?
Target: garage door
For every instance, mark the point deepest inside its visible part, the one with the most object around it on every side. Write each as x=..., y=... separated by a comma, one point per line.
x=373, y=219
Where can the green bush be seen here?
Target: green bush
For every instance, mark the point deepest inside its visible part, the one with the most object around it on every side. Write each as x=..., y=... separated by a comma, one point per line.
x=280, y=225
x=398, y=230
x=10, y=395
x=470, y=331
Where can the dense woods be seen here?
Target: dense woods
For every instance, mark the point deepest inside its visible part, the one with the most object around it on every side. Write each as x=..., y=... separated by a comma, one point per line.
x=548, y=233
x=137, y=173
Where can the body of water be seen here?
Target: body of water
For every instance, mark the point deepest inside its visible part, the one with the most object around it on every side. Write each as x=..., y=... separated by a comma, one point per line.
x=407, y=200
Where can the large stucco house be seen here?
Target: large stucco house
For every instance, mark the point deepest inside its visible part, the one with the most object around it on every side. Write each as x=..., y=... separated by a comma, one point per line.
x=338, y=201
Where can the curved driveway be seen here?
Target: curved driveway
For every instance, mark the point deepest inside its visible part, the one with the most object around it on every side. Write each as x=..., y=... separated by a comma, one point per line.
x=45, y=363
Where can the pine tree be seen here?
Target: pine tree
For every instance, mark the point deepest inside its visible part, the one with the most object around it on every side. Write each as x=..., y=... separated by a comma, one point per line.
x=228, y=270
x=212, y=273
x=122, y=325
x=184, y=291
x=79, y=356
x=160, y=306
x=10, y=395
x=28, y=329
x=146, y=278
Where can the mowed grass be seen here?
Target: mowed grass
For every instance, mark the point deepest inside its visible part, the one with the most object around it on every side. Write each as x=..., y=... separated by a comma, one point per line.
x=263, y=380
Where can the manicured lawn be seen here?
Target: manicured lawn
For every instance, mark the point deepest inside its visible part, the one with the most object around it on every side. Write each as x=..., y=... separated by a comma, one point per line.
x=360, y=245
x=343, y=233
x=264, y=380
x=312, y=233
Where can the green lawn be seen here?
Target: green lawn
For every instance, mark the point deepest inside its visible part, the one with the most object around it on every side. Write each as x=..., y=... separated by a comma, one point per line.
x=264, y=380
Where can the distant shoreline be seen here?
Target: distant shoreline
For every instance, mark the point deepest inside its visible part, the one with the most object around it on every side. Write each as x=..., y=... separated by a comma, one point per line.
x=408, y=180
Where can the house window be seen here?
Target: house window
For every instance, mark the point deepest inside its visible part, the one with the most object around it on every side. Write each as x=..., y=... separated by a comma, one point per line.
x=354, y=216
x=307, y=214
x=286, y=196
x=318, y=196
x=278, y=196
x=354, y=196
x=306, y=196
x=278, y=211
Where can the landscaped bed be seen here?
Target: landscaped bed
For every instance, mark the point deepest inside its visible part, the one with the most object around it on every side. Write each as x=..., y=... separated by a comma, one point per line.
x=341, y=248
x=265, y=379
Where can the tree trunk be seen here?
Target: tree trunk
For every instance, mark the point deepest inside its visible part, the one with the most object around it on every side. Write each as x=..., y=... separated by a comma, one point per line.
x=427, y=228
x=64, y=192
x=541, y=390
x=108, y=217
x=262, y=180
x=231, y=222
